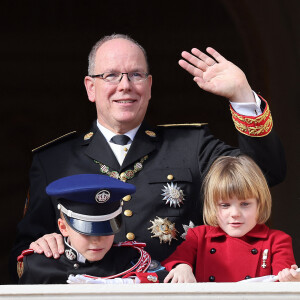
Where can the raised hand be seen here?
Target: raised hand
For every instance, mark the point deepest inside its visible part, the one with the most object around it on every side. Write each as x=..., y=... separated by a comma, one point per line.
x=217, y=75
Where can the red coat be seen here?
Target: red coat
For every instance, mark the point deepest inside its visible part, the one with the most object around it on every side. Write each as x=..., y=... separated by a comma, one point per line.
x=216, y=256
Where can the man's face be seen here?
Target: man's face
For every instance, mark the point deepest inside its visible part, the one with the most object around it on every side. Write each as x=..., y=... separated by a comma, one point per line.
x=120, y=107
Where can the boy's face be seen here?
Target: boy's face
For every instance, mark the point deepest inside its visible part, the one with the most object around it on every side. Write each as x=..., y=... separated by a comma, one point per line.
x=237, y=217
x=93, y=248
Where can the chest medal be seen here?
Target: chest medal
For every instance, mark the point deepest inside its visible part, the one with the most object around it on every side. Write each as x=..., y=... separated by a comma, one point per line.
x=173, y=195
x=186, y=228
x=163, y=229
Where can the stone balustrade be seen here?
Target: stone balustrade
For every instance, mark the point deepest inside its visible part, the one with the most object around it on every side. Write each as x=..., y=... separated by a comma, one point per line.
x=207, y=291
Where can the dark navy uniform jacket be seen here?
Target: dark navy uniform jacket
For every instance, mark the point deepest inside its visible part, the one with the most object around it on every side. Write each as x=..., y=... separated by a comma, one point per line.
x=118, y=262
x=185, y=152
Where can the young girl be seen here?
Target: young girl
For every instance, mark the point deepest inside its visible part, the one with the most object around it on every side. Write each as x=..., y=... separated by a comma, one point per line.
x=235, y=244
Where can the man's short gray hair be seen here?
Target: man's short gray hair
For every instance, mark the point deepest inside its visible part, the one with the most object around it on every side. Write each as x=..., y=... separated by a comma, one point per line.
x=92, y=55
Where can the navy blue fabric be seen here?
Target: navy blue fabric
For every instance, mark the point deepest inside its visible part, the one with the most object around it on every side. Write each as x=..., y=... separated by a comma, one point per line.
x=84, y=187
x=109, y=227
x=91, y=195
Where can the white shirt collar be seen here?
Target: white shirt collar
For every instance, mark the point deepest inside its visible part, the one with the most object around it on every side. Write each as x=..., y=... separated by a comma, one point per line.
x=109, y=134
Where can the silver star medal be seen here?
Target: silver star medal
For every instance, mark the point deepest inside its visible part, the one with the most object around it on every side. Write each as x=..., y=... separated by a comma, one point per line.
x=186, y=228
x=173, y=194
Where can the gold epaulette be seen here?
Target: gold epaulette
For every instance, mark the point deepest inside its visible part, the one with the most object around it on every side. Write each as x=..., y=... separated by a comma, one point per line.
x=253, y=126
x=53, y=141
x=183, y=125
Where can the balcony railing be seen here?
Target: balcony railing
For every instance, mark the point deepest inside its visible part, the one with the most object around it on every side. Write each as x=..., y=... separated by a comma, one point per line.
x=207, y=291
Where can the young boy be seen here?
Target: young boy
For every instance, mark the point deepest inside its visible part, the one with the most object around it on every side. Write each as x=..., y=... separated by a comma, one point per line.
x=90, y=214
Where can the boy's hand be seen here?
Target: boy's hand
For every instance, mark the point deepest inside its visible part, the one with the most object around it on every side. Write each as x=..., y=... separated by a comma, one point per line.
x=289, y=274
x=182, y=273
x=50, y=244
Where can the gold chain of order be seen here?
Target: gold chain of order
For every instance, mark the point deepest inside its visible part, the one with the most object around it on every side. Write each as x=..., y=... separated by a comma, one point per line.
x=126, y=175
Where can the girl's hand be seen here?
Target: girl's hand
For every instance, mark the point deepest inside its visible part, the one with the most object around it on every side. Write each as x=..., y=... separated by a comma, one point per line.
x=289, y=274
x=182, y=273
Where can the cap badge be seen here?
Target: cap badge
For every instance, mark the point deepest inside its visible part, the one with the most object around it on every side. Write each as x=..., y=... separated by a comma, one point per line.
x=163, y=229
x=88, y=136
x=150, y=133
x=70, y=254
x=102, y=196
x=186, y=228
x=173, y=195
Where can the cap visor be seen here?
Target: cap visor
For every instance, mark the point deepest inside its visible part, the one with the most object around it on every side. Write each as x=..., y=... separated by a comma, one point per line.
x=95, y=228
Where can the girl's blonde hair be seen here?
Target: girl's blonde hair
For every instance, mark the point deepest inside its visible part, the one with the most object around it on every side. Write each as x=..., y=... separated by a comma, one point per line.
x=239, y=177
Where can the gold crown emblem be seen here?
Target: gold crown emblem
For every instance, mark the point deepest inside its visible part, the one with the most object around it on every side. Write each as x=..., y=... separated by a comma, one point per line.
x=88, y=136
x=150, y=133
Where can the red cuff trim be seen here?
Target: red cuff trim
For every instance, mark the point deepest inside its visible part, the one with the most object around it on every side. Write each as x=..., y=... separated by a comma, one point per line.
x=253, y=126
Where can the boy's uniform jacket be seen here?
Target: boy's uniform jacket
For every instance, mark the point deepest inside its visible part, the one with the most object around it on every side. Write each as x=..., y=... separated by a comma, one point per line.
x=122, y=259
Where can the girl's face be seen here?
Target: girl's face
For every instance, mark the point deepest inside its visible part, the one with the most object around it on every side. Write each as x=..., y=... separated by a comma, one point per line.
x=237, y=217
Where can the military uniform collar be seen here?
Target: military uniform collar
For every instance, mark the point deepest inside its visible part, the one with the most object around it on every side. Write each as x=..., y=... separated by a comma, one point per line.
x=98, y=149
x=72, y=254
x=145, y=142
x=89, y=135
x=259, y=231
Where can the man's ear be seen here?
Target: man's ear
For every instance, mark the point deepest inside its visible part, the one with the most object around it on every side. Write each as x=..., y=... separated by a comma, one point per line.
x=89, y=83
x=63, y=227
x=150, y=85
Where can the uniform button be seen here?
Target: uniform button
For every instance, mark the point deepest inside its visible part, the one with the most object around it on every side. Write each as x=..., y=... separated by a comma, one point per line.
x=247, y=277
x=170, y=177
x=125, y=149
x=254, y=251
x=127, y=198
x=128, y=213
x=211, y=278
x=76, y=266
x=212, y=250
x=130, y=236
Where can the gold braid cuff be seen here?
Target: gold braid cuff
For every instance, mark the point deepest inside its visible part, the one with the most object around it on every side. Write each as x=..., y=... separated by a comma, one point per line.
x=253, y=126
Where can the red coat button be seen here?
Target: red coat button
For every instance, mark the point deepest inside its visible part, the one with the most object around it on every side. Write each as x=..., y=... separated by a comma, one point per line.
x=254, y=251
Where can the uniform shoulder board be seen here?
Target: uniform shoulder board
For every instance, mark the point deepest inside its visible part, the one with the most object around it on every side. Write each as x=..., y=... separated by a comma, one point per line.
x=20, y=265
x=24, y=253
x=184, y=125
x=54, y=141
